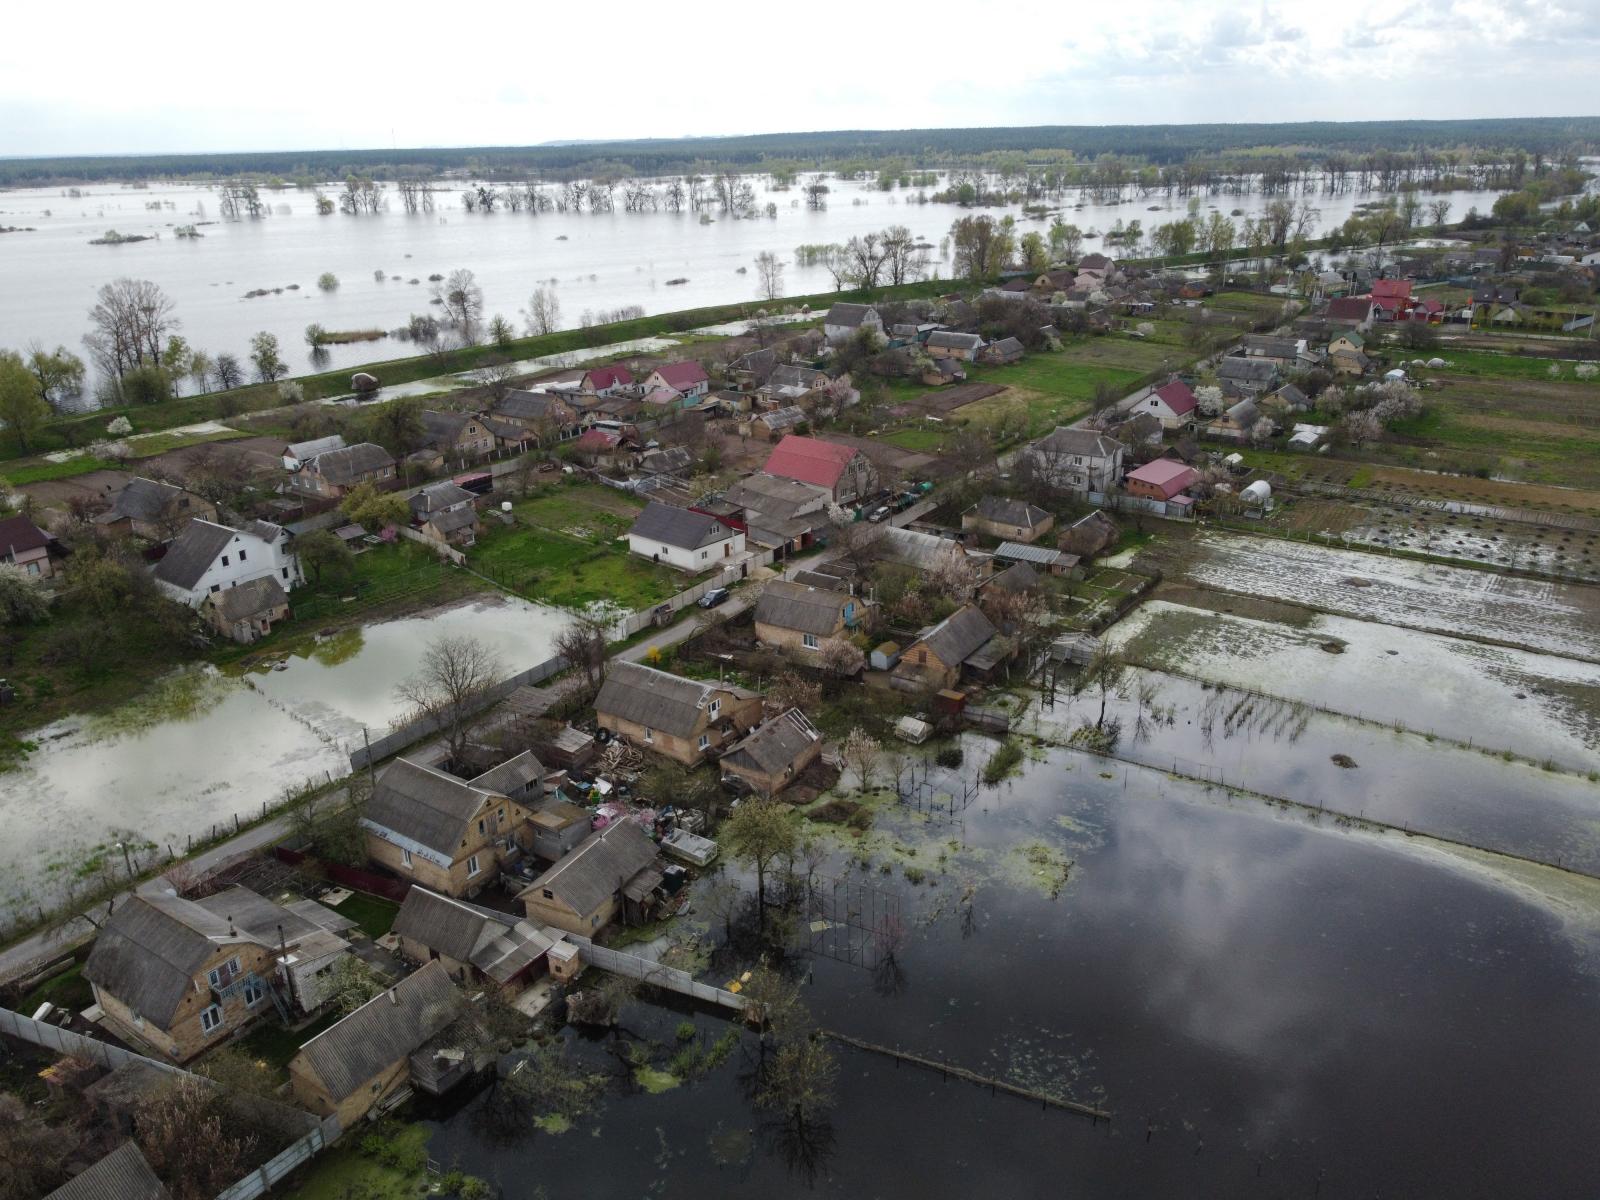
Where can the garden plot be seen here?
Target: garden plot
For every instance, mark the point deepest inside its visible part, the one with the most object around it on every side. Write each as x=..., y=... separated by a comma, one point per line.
x=1556, y=618
x=1539, y=706
x=1570, y=552
x=1290, y=751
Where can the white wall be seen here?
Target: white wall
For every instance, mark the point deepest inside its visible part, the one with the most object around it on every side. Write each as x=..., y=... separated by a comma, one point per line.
x=258, y=558
x=704, y=559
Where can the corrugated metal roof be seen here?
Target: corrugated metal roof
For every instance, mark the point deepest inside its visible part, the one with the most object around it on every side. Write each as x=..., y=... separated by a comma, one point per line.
x=151, y=949
x=425, y=805
x=654, y=699
x=1022, y=552
x=680, y=527
x=959, y=635
x=384, y=1031
x=193, y=551
x=775, y=744
x=806, y=609
x=121, y=1175
x=809, y=460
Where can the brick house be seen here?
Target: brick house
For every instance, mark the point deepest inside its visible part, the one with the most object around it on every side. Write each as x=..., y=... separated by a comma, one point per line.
x=333, y=473
x=468, y=941
x=684, y=719
x=447, y=834
x=1161, y=479
x=1078, y=460
x=843, y=472
x=457, y=435
x=801, y=620
x=935, y=660
x=249, y=611
x=1008, y=520
x=774, y=754
x=28, y=548
x=612, y=872
x=686, y=378
x=151, y=509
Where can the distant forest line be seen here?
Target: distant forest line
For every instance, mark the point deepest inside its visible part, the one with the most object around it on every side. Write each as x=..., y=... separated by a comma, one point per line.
x=1310, y=141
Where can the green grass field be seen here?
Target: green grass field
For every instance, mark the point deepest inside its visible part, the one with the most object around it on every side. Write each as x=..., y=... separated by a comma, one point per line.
x=1485, y=364
x=563, y=550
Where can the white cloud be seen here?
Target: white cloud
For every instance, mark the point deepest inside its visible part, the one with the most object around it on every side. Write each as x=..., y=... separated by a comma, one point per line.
x=303, y=75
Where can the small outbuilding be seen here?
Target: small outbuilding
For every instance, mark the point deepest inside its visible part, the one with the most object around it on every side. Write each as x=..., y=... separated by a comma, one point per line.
x=772, y=755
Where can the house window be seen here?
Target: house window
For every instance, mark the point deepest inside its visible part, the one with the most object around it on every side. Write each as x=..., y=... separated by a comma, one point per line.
x=481, y=828
x=405, y=858
x=211, y=1018
x=705, y=740
x=548, y=894
x=665, y=550
x=224, y=560
x=216, y=587
x=285, y=572
x=254, y=992
x=219, y=976
x=716, y=707
x=704, y=554
x=241, y=555
x=809, y=641
x=472, y=866
x=649, y=734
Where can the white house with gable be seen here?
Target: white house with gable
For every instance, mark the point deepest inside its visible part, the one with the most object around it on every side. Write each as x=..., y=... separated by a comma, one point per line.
x=207, y=558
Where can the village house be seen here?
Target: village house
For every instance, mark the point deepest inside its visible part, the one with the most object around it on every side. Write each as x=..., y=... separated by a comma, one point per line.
x=334, y=472
x=1281, y=351
x=1391, y=299
x=927, y=553
x=941, y=371
x=688, y=379
x=844, y=321
x=686, y=720
x=667, y=460
x=1238, y=422
x=1089, y=536
x=935, y=660
x=544, y=414
x=1173, y=404
x=1017, y=579
x=605, y=381
x=1346, y=357
x=1242, y=376
x=448, y=834
x=471, y=943
x=788, y=386
x=207, y=558
x=1007, y=520
x=1043, y=558
x=1350, y=312
x=1006, y=350
x=457, y=435
x=773, y=424
x=444, y=512
x=124, y=1174
x=297, y=454
x=947, y=343
x=1141, y=429
x=682, y=537
x=30, y=549
x=183, y=975
x=604, y=447
x=151, y=509
x=802, y=620
x=781, y=514
x=1078, y=460
x=751, y=370
x=843, y=472
x=352, y=1067
x=774, y=754
x=612, y=871
x=249, y=611
x=1161, y=479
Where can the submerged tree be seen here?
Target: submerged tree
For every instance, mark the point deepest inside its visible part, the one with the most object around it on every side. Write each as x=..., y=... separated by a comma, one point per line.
x=452, y=687
x=759, y=832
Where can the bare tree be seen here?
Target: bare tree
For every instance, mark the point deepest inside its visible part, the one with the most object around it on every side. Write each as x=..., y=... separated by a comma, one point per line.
x=543, y=314
x=860, y=751
x=184, y=1135
x=129, y=322
x=583, y=642
x=462, y=301
x=769, y=269
x=452, y=686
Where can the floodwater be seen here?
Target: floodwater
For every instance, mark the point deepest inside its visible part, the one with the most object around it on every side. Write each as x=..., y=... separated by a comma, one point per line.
x=1540, y=706
x=202, y=747
x=1288, y=750
x=1268, y=1006
x=597, y=261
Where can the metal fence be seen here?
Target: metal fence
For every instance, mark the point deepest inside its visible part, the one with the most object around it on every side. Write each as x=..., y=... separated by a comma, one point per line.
x=631, y=624
x=261, y=1181
x=631, y=966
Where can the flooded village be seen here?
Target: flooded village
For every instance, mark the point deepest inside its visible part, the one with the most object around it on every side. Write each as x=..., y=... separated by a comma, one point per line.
x=1106, y=728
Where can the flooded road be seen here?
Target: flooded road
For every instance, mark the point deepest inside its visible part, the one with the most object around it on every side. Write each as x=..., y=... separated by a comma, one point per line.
x=1269, y=1007
x=203, y=747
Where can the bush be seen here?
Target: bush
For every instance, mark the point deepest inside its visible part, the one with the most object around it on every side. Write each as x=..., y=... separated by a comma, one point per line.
x=328, y=281
x=685, y=1031
x=1002, y=762
x=949, y=756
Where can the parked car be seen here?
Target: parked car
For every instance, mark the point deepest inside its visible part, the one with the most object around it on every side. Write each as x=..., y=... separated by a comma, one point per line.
x=713, y=598
x=878, y=514
x=904, y=501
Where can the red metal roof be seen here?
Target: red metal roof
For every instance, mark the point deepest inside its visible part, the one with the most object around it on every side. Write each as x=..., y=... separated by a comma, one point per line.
x=1177, y=397
x=808, y=460
x=683, y=375
x=1350, y=308
x=1399, y=289
x=598, y=439
x=1166, y=475
x=605, y=377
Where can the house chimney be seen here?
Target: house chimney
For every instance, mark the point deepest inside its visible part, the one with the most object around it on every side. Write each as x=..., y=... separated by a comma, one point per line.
x=230, y=926
x=394, y=997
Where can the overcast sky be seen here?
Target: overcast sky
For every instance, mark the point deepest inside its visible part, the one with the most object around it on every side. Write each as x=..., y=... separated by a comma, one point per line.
x=99, y=77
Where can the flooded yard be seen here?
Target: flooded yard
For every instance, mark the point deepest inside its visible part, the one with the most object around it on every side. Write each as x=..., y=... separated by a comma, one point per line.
x=1557, y=618
x=1268, y=1006
x=1541, y=706
x=203, y=747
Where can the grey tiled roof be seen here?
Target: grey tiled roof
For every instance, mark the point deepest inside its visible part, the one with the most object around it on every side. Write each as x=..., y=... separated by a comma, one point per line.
x=1080, y=441
x=680, y=527
x=948, y=339
x=250, y=599
x=959, y=635
x=437, y=497
x=144, y=500
x=1006, y=511
x=796, y=606
x=773, y=496
x=149, y=951
x=653, y=698
x=340, y=467
x=1235, y=367
x=851, y=315
x=121, y=1175
x=775, y=744
x=601, y=865
x=192, y=552
x=511, y=775
x=424, y=806
x=457, y=518
x=384, y=1031
x=498, y=944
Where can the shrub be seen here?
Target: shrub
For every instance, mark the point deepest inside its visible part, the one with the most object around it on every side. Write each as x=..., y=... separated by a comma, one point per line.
x=1002, y=762
x=685, y=1031
x=328, y=281
x=949, y=756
